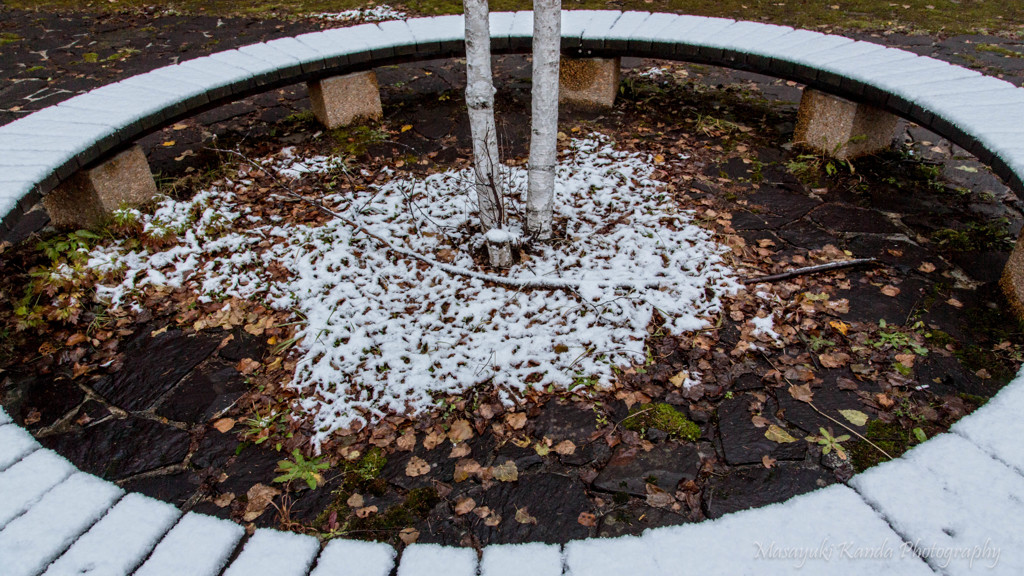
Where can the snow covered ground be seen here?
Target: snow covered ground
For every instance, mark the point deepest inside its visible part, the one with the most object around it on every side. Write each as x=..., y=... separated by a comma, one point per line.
x=376, y=13
x=388, y=333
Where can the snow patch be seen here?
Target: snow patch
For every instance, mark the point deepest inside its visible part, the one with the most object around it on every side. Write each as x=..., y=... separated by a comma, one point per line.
x=387, y=333
x=377, y=13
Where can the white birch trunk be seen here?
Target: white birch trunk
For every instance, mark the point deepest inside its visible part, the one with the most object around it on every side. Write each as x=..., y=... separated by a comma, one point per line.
x=480, y=102
x=540, y=197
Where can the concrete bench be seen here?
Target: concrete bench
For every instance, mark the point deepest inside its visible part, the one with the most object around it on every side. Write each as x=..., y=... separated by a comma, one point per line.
x=958, y=493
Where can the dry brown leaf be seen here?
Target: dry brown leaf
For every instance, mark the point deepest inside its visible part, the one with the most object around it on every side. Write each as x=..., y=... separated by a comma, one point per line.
x=587, y=519
x=890, y=290
x=760, y=421
x=409, y=535
x=955, y=303
x=506, y=472
x=926, y=267
x=224, y=425
x=464, y=469
x=260, y=496
x=224, y=499
x=802, y=393
x=883, y=400
x=482, y=511
x=799, y=373
x=906, y=359
x=768, y=461
x=983, y=374
x=416, y=467
x=523, y=516
x=464, y=506
x=460, y=431
x=367, y=511
x=565, y=447
x=492, y=520
x=516, y=420
x=834, y=360
x=247, y=366
x=76, y=339
x=406, y=442
x=460, y=451
x=355, y=501
x=658, y=498
x=432, y=440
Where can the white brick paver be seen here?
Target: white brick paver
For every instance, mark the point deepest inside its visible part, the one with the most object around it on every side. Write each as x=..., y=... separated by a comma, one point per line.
x=535, y=559
x=15, y=444
x=31, y=541
x=120, y=541
x=273, y=553
x=197, y=545
x=24, y=483
x=435, y=560
x=355, y=558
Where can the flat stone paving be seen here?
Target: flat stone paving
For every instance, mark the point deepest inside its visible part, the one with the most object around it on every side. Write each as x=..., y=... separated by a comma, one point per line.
x=956, y=499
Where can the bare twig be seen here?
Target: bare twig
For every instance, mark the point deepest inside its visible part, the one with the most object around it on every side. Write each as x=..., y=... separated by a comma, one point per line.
x=810, y=270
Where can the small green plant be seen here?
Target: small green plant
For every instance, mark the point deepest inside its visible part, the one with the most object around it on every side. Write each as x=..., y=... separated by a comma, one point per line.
x=829, y=442
x=817, y=343
x=896, y=340
x=662, y=417
x=299, y=468
x=259, y=427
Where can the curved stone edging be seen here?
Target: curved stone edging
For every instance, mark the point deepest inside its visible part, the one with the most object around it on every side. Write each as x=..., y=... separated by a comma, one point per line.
x=955, y=492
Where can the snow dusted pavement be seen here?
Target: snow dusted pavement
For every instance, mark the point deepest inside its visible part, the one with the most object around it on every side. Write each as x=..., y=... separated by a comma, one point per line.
x=953, y=505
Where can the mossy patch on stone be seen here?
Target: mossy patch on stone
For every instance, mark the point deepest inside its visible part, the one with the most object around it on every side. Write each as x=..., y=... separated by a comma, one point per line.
x=888, y=436
x=662, y=417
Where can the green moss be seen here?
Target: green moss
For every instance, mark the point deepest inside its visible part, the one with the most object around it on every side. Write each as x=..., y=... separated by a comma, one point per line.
x=663, y=417
x=890, y=437
x=353, y=140
x=992, y=235
x=386, y=525
x=1001, y=50
x=973, y=399
x=8, y=38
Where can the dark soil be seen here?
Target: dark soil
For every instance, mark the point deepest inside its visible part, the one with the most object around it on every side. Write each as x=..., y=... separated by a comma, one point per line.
x=167, y=407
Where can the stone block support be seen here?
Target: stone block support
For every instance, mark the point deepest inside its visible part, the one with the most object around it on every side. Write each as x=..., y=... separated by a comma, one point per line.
x=342, y=100
x=90, y=195
x=589, y=82
x=840, y=128
x=1012, y=281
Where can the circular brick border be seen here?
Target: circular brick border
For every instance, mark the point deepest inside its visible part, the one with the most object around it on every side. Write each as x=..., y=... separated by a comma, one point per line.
x=956, y=492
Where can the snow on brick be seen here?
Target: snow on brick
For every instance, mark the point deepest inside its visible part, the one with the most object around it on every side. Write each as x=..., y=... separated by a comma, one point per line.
x=198, y=546
x=435, y=560
x=120, y=541
x=953, y=504
x=15, y=444
x=33, y=540
x=535, y=559
x=385, y=334
x=610, y=557
x=274, y=553
x=830, y=531
x=4, y=418
x=355, y=558
x=24, y=483
x=997, y=427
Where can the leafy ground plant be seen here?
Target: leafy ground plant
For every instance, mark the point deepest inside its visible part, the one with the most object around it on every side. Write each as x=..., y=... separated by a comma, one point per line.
x=828, y=442
x=299, y=468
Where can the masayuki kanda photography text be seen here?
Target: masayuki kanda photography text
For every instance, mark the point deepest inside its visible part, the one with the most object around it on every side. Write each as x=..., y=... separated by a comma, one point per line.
x=982, y=555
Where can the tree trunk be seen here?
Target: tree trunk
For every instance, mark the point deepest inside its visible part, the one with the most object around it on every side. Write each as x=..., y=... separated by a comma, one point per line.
x=540, y=197
x=480, y=102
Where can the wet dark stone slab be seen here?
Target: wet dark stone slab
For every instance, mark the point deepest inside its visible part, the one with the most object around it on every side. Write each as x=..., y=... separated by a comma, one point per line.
x=560, y=422
x=42, y=399
x=555, y=501
x=215, y=449
x=243, y=345
x=772, y=208
x=759, y=486
x=828, y=398
x=744, y=443
x=630, y=468
x=891, y=251
x=868, y=304
x=805, y=234
x=983, y=266
x=153, y=365
x=174, y=489
x=441, y=466
x=209, y=389
x=117, y=449
x=636, y=517
x=845, y=218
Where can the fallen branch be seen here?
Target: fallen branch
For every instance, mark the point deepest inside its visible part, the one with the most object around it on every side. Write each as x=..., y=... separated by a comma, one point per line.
x=519, y=283
x=810, y=270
